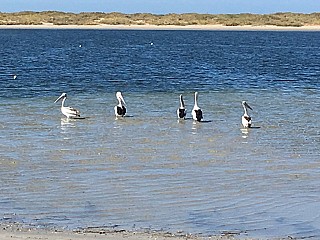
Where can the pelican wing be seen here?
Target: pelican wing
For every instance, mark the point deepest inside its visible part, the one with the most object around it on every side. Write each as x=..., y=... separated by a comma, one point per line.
x=69, y=111
x=182, y=113
x=120, y=110
x=123, y=111
x=246, y=121
x=247, y=118
x=199, y=114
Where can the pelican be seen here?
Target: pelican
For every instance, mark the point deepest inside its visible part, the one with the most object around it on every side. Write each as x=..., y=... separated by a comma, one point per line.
x=196, y=111
x=246, y=119
x=120, y=110
x=181, y=111
x=69, y=112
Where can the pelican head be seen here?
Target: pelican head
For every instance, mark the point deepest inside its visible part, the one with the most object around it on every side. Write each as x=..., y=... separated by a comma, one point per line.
x=181, y=101
x=62, y=96
x=246, y=105
x=196, y=99
x=120, y=98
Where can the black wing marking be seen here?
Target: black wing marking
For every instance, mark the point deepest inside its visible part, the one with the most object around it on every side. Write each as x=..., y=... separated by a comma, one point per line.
x=247, y=118
x=121, y=110
x=199, y=114
x=182, y=113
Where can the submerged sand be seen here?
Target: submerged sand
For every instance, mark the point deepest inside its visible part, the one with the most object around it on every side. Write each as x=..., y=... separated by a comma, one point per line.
x=18, y=232
x=164, y=27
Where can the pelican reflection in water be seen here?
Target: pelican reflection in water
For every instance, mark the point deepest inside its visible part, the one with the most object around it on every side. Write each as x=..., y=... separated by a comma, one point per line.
x=69, y=112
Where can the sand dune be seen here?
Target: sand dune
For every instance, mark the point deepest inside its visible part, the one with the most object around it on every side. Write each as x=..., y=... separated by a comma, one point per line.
x=166, y=27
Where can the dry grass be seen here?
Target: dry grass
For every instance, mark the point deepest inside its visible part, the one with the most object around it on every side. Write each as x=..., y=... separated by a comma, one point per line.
x=94, y=18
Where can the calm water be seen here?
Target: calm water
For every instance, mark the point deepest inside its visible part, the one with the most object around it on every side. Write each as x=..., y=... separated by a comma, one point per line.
x=149, y=170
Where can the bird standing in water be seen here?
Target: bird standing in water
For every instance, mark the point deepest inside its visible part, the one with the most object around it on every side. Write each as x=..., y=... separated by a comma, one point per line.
x=69, y=112
x=196, y=111
x=246, y=119
x=181, y=111
x=120, y=109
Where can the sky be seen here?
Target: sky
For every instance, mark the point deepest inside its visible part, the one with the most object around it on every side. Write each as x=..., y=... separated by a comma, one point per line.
x=163, y=6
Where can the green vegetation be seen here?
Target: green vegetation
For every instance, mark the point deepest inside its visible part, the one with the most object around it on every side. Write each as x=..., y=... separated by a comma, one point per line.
x=95, y=18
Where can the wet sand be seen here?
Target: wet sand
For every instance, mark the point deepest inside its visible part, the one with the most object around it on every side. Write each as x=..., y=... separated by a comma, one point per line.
x=18, y=232
x=15, y=231
x=165, y=27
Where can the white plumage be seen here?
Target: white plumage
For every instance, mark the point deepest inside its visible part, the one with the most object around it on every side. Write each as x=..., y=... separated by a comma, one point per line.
x=181, y=111
x=120, y=109
x=246, y=119
x=196, y=111
x=69, y=112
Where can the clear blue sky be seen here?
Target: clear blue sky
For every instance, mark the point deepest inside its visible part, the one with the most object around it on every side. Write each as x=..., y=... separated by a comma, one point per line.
x=163, y=6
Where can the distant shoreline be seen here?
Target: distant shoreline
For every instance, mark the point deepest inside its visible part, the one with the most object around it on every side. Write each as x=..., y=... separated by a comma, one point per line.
x=115, y=20
x=164, y=27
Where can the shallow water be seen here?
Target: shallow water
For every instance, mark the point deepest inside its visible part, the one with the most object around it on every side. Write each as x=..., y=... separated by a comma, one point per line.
x=149, y=170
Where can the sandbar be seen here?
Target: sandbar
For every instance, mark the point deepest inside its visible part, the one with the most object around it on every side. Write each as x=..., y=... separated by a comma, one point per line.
x=165, y=27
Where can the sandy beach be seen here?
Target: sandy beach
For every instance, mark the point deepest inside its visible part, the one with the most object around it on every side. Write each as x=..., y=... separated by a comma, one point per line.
x=16, y=231
x=163, y=27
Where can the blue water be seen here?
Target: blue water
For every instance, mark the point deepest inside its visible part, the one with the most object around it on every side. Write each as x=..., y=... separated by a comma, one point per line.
x=149, y=170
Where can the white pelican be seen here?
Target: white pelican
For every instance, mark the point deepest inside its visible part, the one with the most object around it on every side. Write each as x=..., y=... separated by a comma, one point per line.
x=181, y=111
x=120, y=110
x=246, y=119
x=69, y=112
x=196, y=111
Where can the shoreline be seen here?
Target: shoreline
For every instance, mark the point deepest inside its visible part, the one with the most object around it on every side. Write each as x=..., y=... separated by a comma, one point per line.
x=164, y=27
x=19, y=232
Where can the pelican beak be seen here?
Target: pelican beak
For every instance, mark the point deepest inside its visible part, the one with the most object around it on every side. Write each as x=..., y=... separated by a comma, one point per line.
x=122, y=100
x=248, y=106
x=59, y=98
